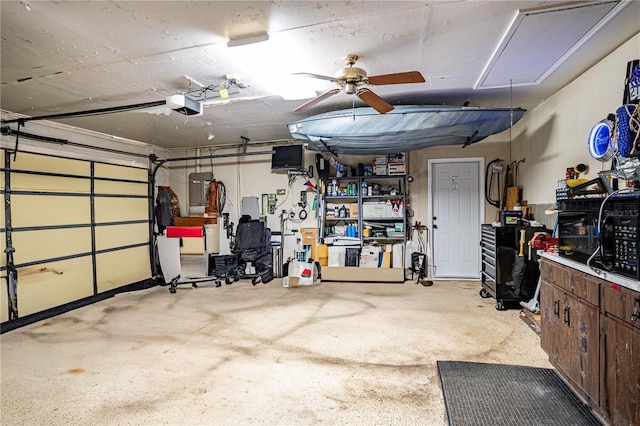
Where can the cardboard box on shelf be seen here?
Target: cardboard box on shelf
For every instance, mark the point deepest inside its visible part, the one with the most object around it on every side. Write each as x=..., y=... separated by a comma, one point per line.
x=381, y=160
x=353, y=210
x=397, y=158
x=380, y=170
x=397, y=169
x=372, y=209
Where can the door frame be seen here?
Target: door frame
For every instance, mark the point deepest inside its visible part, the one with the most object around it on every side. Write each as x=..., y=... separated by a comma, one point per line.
x=481, y=172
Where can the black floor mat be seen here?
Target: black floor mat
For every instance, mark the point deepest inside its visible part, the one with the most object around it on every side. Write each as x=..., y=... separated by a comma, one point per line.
x=494, y=394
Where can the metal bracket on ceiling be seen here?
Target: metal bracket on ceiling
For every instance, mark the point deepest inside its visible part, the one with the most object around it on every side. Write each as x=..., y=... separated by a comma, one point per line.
x=245, y=141
x=15, y=149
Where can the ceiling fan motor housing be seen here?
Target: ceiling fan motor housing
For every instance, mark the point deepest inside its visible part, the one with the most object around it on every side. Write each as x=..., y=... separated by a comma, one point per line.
x=351, y=77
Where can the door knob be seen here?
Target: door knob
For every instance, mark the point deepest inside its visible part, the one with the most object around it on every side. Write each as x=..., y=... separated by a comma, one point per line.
x=435, y=218
x=435, y=226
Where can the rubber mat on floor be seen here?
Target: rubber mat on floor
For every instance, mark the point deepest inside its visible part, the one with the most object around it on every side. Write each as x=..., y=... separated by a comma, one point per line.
x=495, y=394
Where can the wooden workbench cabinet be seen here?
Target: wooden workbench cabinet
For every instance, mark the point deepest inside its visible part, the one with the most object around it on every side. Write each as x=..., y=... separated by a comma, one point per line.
x=570, y=326
x=590, y=328
x=620, y=396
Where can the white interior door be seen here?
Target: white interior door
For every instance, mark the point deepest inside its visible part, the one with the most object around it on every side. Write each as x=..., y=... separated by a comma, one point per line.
x=456, y=217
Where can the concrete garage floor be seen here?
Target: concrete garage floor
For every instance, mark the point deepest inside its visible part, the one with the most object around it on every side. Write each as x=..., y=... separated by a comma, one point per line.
x=334, y=353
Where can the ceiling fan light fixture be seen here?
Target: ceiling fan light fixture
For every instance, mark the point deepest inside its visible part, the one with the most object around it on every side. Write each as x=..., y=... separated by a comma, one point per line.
x=248, y=39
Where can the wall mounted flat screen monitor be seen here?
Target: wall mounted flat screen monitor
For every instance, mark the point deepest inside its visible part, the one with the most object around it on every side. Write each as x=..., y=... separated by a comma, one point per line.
x=287, y=157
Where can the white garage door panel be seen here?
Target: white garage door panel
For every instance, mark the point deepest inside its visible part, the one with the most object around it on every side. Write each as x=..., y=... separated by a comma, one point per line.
x=34, y=210
x=50, y=243
x=39, y=290
x=120, y=172
x=45, y=163
x=110, y=209
x=120, y=188
x=26, y=182
x=118, y=268
x=121, y=235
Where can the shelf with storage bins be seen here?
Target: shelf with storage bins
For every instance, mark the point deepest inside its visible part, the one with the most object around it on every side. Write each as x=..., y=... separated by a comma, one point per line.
x=375, y=205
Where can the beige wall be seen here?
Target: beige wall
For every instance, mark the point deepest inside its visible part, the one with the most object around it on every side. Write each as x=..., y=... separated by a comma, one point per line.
x=553, y=136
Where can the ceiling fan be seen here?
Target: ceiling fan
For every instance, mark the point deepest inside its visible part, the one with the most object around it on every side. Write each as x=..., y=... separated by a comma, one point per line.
x=351, y=78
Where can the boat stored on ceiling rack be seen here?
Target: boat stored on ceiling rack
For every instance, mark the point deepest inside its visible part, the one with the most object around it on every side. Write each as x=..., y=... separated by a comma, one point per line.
x=405, y=128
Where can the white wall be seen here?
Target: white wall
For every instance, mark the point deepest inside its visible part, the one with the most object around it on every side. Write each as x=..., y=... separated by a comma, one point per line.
x=553, y=136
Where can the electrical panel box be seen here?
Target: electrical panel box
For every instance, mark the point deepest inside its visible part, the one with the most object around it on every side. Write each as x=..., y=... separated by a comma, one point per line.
x=198, y=187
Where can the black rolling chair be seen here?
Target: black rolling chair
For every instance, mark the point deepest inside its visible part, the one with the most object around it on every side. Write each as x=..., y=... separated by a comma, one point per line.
x=253, y=245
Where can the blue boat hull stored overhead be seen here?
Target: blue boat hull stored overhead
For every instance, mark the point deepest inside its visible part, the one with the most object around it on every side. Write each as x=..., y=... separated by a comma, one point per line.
x=405, y=128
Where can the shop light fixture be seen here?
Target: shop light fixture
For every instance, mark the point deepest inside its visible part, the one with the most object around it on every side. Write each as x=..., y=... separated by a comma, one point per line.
x=248, y=39
x=267, y=65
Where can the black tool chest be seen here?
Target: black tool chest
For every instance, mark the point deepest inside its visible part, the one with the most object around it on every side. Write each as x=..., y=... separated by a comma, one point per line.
x=498, y=254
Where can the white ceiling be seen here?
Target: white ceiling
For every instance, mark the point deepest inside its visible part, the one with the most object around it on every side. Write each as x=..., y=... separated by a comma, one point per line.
x=66, y=56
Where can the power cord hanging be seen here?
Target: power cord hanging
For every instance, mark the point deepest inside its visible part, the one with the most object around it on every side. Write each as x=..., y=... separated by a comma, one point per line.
x=494, y=167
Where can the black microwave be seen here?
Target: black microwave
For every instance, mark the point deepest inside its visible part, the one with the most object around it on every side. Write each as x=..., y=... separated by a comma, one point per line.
x=612, y=244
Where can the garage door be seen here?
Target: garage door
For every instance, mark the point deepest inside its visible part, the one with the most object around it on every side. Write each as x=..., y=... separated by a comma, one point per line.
x=73, y=229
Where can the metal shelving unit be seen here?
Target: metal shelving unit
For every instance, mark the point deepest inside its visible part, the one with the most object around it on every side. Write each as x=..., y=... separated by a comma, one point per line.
x=379, y=223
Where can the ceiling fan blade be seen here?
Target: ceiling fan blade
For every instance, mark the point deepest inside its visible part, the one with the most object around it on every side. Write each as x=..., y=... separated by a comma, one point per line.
x=321, y=77
x=374, y=101
x=305, y=106
x=397, y=78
